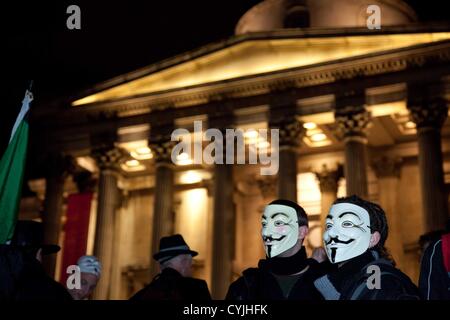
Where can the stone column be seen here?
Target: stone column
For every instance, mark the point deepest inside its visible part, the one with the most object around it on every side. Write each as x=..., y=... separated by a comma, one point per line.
x=108, y=161
x=352, y=123
x=57, y=169
x=291, y=133
x=163, y=210
x=387, y=171
x=429, y=111
x=328, y=183
x=224, y=218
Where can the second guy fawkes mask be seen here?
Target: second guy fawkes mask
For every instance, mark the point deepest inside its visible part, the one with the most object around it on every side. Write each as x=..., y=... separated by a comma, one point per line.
x=347, y=232
x=279, y=229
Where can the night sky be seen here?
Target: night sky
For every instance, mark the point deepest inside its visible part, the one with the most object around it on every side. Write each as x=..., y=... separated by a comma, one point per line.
x=114, y=38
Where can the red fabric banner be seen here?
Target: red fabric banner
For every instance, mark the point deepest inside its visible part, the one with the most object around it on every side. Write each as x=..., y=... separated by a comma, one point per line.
x=446, y=251
x=76, y=228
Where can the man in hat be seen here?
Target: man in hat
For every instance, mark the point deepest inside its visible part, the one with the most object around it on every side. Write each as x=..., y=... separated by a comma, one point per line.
x=174, y=282
x=90, y=269
x=21, y=266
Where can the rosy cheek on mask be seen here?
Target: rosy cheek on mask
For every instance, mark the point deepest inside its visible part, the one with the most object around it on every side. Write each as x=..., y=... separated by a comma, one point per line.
x=282, y=230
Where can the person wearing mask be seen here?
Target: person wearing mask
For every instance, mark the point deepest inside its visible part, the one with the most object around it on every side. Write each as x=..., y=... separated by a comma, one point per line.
x=286, y=273
x=354, y=236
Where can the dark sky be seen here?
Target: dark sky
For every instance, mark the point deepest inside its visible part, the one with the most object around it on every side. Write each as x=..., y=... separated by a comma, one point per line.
x=116, y=37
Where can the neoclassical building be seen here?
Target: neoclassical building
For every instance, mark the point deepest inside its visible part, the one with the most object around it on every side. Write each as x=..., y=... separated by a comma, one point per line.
x=359, y=111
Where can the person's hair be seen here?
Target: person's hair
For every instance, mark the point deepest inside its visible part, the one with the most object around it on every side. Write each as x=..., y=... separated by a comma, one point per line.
x=302, y=217
x=169, y=262
x=378, y=221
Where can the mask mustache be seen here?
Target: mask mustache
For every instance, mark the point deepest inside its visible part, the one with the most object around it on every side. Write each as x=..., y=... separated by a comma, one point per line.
x=269, y=238
x=336, y=240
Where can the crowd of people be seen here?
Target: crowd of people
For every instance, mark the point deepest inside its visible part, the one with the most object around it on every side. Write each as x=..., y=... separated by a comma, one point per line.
x=353, y=264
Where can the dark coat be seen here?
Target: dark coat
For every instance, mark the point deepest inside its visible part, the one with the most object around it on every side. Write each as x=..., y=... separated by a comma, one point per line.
x=171, y=285
x=23, y=278
x=434, y=280
x=349, y=282
x=261, y=283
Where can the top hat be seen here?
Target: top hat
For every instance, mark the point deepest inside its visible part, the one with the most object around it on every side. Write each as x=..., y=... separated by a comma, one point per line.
x=30, y=234
x=172, y=246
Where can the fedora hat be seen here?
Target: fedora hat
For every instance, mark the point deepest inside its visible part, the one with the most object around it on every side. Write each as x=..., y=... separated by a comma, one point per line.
x=172, y=246
x=30, y=234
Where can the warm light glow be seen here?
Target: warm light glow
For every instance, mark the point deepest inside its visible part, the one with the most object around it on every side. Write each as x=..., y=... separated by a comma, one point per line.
x=183, y=159
x=142, y=153
x=87, y=163
x=132, y=163
x=385, y=109
x=143, y=150
x=251, y=134
x=318, y=137
x=309, y=125
x=263, y=144
x=190, y=176
x=254, y=57
x=308, y=193
x=410, y=125
x=192, y=220
x=132, y=166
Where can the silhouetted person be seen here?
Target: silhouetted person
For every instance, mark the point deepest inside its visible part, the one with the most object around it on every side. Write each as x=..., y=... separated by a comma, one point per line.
x=21, y=272
x=174, y=282
x=434, y=280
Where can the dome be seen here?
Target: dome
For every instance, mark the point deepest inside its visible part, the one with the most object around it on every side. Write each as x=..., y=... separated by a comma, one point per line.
x=279, y=14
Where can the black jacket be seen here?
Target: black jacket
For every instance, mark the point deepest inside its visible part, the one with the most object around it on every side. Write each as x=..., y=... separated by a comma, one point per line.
x=261, y=283
x=434, y=280
x=171, y=285
x=350, y=281
x=23, y=278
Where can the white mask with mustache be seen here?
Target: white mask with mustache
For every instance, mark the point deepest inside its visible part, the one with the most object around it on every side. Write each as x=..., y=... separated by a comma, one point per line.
x=347, y=232
x=279, y=229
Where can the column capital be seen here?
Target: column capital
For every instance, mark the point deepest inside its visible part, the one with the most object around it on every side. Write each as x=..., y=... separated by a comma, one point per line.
x=109, y=158
x=387, y=166
x=328, y=179
x=291, y=132
x=352, y=123
x=430, y=114
x=427, y=105
x=162, y=150
x=267, y=186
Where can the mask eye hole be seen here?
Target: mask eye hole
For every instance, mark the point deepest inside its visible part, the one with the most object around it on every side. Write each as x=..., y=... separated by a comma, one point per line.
x=328, y=226
x=279, y=223
x=263, y=224
x=347, y=224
